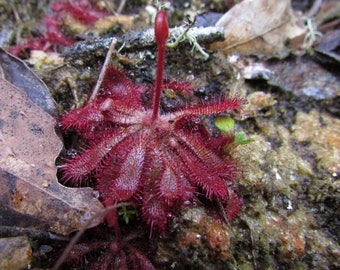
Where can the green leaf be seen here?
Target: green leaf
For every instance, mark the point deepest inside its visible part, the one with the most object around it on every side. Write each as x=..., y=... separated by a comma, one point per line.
x=225, y=124
x=126, y=214
x=240, y=138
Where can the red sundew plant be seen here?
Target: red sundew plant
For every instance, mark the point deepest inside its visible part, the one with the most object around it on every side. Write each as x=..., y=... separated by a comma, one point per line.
x=82, y=11
x=152, y=159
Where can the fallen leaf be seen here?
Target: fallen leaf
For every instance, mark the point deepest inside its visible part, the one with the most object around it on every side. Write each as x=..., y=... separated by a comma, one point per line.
x=104, y=24
x=327, y=49
x=17, y=72
x=30, y=194
x=258, y=26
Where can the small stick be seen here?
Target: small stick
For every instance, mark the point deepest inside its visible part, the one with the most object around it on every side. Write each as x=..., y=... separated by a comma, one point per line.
x=9, y=231
x=140, y=40
x=102, y=72
x=314, y=9
x=121, y=6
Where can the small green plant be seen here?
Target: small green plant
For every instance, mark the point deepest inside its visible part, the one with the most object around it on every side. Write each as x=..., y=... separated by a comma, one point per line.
x=227, y=126
x=126, y=214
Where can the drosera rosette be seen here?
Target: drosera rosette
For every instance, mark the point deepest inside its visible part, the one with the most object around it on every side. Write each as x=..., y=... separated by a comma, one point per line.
x=152, y=159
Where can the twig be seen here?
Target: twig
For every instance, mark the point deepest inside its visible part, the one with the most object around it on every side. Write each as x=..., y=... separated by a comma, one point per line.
x=121, y=6
x=139, y=41
x=314, y=9
x=102, y=72
x=9, y=231
x=15, y=12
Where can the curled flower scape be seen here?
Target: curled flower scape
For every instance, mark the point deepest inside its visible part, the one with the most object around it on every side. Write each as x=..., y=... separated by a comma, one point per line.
x=156, y=160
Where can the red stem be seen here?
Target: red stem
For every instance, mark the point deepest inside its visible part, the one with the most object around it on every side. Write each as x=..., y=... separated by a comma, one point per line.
x=159, y=82
x=161, y=35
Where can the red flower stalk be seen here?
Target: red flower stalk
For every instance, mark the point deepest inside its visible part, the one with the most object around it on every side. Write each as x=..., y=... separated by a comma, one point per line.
x=155, y=160
x=161, y=36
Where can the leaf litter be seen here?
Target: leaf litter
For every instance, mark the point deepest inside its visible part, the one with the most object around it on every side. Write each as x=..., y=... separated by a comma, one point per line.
x=30, y=193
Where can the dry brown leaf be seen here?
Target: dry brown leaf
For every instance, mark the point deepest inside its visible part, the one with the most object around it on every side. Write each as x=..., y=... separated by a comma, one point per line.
x=124, y=22
x=30, y=194
x=258, y=26
x=15, y=71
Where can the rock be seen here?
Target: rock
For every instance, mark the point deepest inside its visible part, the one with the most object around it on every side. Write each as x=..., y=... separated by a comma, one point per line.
x=15, y=253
